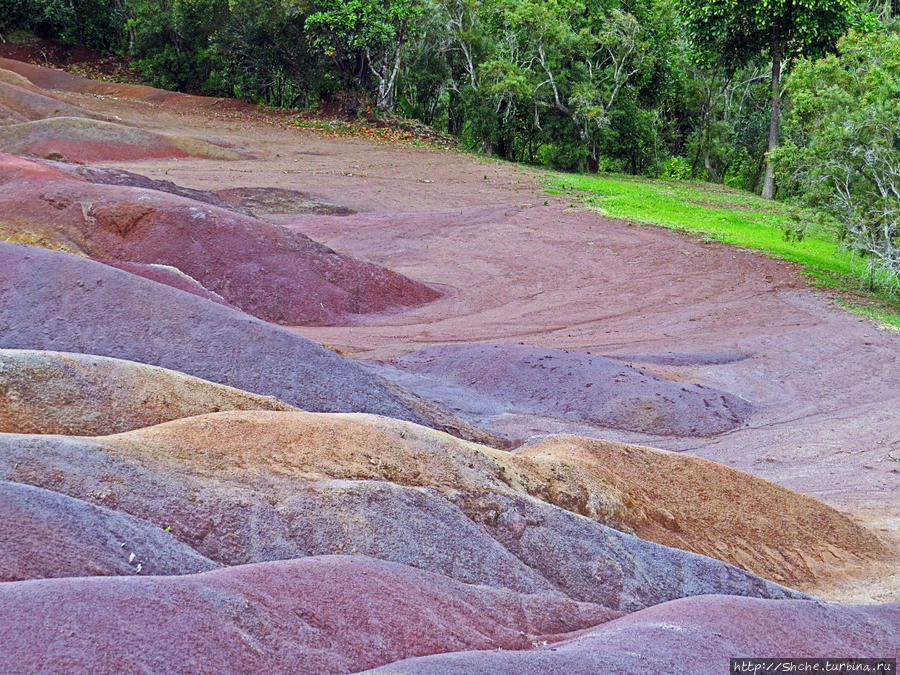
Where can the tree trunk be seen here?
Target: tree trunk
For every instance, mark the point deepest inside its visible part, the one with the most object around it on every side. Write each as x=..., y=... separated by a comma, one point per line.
x=768, y=190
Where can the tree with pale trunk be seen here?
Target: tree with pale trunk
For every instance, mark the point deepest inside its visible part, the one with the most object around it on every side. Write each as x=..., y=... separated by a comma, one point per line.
x=737, y=32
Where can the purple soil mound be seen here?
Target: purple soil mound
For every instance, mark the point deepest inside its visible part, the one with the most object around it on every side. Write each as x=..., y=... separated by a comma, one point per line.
x=483, y=382
x=694, y=635
x=76, y=139
x=324, y=615
x=107, y=176
x=55, y=301
x=507, y=541
x=273, y=273
x=170, y=276
x=45, y=534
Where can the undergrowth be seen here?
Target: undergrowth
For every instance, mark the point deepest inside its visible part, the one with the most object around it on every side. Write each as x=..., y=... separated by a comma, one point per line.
x=383, y=127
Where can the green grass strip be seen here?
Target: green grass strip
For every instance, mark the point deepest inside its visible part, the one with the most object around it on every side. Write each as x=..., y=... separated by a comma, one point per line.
x=731, y=216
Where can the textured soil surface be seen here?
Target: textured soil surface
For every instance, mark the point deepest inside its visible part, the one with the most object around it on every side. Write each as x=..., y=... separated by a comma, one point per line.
x=56, y=301
x=252, y=487
x=322, y=521
x=689, y=636
x=46, y=534
x=672, y=499
x=330, y=614
x=44, y=392
x=487, y=382
x=276, y=274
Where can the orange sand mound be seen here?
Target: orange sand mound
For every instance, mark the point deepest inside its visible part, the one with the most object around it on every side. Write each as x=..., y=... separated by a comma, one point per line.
x=677, y=500
x=45, y=392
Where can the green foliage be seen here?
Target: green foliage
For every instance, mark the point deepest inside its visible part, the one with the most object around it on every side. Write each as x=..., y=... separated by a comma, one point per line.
x=262, y=55
x=94, y=23
x=736, y=33
x=349, y=28
x=578, y=85
x=733, y=34
x=676, y=168
x=844, y=154
x=172, y=41
x=365, y=38
x=743, y=173
x=14, y=15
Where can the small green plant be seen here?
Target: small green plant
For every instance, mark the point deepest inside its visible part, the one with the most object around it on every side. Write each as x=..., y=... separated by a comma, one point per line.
x=676, y=168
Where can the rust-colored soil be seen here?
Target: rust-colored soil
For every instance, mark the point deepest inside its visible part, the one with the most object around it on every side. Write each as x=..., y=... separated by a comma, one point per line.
x=269, y=271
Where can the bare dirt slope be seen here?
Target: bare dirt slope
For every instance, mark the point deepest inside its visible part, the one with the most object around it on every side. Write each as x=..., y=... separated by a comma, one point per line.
x=823, y=382
x=517, y=265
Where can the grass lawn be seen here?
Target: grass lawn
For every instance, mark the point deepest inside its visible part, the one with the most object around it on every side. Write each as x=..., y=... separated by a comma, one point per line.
x=736, y=217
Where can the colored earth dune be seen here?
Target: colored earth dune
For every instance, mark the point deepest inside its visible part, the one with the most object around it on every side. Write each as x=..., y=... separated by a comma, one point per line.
x=268, y=271
x=271, y=402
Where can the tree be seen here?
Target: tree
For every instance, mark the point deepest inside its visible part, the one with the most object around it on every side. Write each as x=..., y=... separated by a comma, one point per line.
x=364, y=38
x=739, y=31
x=171, y=40
x=263, y=54
x=568, y=58
x=844, y=154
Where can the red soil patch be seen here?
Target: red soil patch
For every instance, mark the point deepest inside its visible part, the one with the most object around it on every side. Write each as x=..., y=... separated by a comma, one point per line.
x=276, y=274
x=330, y=614
x=170, y=276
